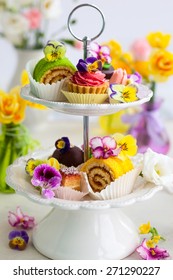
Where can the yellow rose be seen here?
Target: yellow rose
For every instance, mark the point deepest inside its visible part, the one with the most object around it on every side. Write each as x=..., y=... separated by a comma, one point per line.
x=159, y=40
x=161, y=65
x=12, y=106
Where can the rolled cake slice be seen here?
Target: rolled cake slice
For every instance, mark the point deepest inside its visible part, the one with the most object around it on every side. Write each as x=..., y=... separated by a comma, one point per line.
x=54, y=66
x=101, y=172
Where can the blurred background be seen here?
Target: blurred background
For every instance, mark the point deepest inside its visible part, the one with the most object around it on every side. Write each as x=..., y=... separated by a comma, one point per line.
x=126, y=21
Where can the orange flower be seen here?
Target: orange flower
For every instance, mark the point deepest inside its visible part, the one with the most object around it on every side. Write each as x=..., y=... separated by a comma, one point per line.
x=143, y=68
x=161, y=65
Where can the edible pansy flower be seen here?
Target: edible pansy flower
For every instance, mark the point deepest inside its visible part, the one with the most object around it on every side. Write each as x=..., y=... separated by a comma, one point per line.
x=90, y=64
x=134, y=78
x=20, y=219
x=155, y=253
x=103, y=147
x=124, y=93
x=100, y=52
x=158, y=169
x=47, y=178
x=63, y=144
x=31, y=164
x=126, y=143
x=54, y=50
x=53, y=162
x=18, y=239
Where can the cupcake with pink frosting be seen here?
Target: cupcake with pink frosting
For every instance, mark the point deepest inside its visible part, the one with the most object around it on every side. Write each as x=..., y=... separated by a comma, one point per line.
x=88, y=85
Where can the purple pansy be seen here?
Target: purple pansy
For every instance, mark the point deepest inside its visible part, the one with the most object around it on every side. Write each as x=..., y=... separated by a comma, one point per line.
x=20, y=219
x=63, y=144
x=155, y=253
x=18, y=239
x=103, y=147
x=135, y=77
x=100, y=52
x=47, y=178
x=90, y=64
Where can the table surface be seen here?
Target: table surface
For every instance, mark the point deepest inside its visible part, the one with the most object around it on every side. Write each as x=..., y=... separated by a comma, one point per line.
x=158, y=209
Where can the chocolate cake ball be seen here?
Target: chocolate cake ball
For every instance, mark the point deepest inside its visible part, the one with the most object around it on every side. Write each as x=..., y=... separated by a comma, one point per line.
x=108, y=72
x=67, y=154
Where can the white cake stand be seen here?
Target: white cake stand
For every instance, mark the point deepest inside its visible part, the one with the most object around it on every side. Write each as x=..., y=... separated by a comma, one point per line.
x=81, y=229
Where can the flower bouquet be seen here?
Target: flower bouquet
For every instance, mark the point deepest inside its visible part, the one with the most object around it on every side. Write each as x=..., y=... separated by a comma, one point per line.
x=15, y=139
x=154, y=62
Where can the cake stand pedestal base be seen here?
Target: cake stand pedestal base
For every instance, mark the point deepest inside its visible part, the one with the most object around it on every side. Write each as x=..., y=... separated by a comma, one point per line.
x=86, y=235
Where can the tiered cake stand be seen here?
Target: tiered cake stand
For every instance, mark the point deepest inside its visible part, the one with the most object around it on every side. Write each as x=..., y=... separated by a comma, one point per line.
x=81, y=229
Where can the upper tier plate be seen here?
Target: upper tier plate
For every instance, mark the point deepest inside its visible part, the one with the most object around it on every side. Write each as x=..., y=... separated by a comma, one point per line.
x=83, y=109
x=19, y=180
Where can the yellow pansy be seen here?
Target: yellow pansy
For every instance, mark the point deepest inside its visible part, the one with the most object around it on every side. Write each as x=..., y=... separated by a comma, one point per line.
x=159, y=40
x=127, y=144
x=113, y=123
x=145, y=228
x=12, y=106
x=124, y=93
x=161, y=65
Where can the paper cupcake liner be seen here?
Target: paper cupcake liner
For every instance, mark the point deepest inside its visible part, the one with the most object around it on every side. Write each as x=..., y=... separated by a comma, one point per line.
x=44, y=91
x=78, y=98
x=68, y=193
x=120, y=187
x=101, y=89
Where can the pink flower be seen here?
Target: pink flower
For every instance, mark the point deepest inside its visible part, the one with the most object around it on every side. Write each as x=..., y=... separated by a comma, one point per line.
x=140, y=49
x=34, y=17
x=100, y=52
x=20, y=219
x=155, y=253
x=78, y=45
x=103, y=147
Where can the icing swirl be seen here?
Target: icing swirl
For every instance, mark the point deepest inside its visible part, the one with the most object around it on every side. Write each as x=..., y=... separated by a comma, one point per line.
x=88, y=78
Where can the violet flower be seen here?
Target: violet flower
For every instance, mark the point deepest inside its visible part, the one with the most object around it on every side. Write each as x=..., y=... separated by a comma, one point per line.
x=103, y=147
x=63, y=144
x=20, y=219
x=100, y=52
x=47, y=178
x=155, y=253
x=135, y=78
x=90, y=64
x=18, y=239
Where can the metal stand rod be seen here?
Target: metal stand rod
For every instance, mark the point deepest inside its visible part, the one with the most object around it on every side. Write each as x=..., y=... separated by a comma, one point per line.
x=86, y=137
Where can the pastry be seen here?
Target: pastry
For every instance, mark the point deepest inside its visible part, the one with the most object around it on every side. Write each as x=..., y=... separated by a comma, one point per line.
x=101, y=172
x=54, y=66
x=71, y=178
x=47, y=75
x=67, y=154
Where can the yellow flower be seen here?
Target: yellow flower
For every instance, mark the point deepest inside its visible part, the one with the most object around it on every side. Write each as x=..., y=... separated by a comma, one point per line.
x=150, y=243
x=142, y=67
x=161, y=65
x=156, y=239
x=12, y=106
x=127, y=144
x=113, y=123
x=24, y=78
x=124, y=93
x=124, y=61
x=115, y=48
x=145, y=228
x=159, y=40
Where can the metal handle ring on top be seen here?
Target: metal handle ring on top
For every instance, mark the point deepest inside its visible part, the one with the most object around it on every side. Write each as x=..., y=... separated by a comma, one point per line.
x=85, y=5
